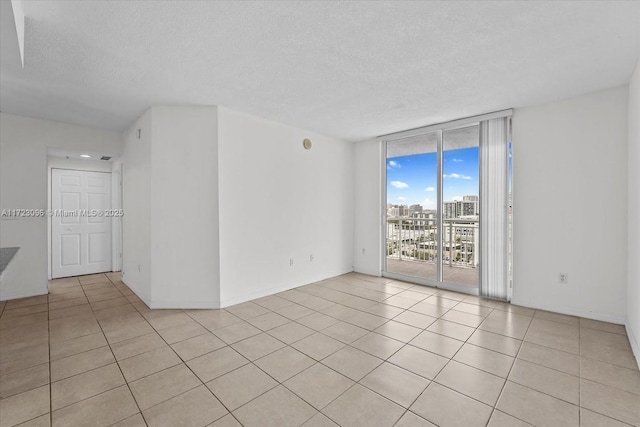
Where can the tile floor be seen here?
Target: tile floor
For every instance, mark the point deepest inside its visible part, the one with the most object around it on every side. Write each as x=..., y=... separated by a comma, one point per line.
x=353, y=350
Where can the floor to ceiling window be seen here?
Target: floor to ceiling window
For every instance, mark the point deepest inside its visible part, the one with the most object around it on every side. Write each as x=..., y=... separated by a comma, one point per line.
x=434, y=199
x=412, y=226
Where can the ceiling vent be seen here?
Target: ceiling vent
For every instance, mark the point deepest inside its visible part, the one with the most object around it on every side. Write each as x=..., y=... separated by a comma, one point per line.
x=105, y=158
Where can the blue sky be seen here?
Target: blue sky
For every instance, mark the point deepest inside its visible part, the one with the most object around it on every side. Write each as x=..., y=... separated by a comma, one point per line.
x=413, y=179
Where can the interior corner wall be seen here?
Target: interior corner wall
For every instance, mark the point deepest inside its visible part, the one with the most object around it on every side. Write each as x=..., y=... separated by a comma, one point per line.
x=136, y=206
x=170, y=203
x=279, y=202
x=184, y=208
x=23, y=185
x=570, y=205
x=633, y=215
x=368, y=207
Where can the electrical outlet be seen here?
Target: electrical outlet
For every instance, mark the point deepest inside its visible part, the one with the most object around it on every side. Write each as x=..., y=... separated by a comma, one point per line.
x=311, y=258
x=363, y=251
x=290, y=262
x=563, y=278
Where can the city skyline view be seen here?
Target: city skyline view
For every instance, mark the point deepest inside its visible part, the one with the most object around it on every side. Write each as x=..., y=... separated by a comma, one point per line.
x=412, y=179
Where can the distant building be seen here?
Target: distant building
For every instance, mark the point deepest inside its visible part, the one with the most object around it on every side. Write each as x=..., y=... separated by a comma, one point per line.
x=397, y=210
x=466, y=207
x=450, y=210
x=415, y=209
x=428, y=217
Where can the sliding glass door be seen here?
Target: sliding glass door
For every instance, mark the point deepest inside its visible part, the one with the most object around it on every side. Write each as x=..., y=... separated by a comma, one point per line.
x=448, y=205
x=412, y=225
x=432, y=208
x=461, y=206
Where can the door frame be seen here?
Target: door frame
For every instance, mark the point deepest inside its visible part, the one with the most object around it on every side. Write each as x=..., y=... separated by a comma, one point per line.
x=382, y=140
x=439, y=283
x=114, y=169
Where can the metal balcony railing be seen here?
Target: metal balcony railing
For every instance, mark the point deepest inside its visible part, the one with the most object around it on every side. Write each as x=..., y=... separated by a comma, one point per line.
x=416, y=239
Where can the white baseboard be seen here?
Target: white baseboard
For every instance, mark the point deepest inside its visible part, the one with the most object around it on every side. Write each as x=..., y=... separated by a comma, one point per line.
x=24, y=294
x=142, y=297
x=173, y=304
x=255, y=295
x=276, y=289
x=183, y=305
x=368, y=272
x=633, y=340
x=603, y=317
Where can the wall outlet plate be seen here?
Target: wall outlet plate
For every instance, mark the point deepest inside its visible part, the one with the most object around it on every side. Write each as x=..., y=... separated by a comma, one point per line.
x=563, y=278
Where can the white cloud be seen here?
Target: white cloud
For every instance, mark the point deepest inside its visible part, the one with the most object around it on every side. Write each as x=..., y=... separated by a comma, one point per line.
x=457, y=198
x=456, y=176
x=394, y=164
x=402, y=199
x=429, y=204
x=457, y=160
x=399, y=184
x=430, y=189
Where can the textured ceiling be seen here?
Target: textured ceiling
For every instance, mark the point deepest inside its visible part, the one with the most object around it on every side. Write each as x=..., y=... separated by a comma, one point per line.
x=347, y=69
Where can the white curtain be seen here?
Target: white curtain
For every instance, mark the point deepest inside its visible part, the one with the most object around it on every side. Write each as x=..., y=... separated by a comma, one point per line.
x=494, y=208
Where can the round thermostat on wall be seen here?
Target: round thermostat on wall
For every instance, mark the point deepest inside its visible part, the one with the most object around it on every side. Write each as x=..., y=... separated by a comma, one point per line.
x=306, y=144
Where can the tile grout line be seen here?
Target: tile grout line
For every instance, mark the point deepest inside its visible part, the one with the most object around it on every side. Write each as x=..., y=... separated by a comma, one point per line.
x=400, y=367
x=383, y=360
x=114, y=357
x=49, y=345
x=293, y=348
x=118, y=363
x=202, y=383
x=252, y=362
x=368, y=332
x=495, y=408
x=345, y=320
x=579, y=374
x=521, y=344
x=451, y=359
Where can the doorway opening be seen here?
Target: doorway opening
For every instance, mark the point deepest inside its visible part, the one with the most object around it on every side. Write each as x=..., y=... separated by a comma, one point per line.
x=81, y=214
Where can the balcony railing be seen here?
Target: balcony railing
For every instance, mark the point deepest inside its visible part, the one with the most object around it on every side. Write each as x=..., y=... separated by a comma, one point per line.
x=416, y=240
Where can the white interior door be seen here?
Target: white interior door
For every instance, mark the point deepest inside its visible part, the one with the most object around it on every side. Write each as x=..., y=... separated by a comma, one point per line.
x=80, y=223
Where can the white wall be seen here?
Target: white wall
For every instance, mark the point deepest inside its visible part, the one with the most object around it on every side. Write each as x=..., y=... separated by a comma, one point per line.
x=170, y=202
x=368, y=207
x=570, y=205
x=136, y=205
x=54, y=162
x=184, y=208
x=279, y=201
x=217, y=202
x=23, y=185
x=633, y=216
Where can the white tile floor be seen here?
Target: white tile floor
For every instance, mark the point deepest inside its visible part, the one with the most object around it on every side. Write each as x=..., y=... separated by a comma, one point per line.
x=351, y=351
